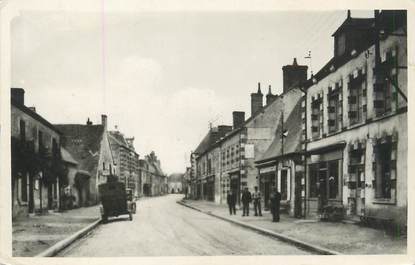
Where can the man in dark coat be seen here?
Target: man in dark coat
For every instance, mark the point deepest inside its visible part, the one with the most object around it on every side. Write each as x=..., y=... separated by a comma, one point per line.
x=275, y=199
x=246, y=199
x=257, y=202
x=231, y=200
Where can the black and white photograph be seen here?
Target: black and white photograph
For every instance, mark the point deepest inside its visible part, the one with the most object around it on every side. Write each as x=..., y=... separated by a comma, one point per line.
x=175, y=131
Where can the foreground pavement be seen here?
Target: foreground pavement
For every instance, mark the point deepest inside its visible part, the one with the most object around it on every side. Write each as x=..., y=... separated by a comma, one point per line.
x=35, y=234
x=344, y=238
x=161, y=227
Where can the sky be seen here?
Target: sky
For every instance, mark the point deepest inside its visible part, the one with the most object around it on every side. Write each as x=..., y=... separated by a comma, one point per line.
x=161, y=77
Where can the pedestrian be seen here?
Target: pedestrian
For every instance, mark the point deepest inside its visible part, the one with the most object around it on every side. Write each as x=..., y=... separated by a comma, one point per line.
x=231, y=200
x=246, y=199
x=257, y=202
x=275, y=198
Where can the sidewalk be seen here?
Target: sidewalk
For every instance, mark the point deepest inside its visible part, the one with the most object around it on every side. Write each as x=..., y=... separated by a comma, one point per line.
x=338, y=237
x=35, y=234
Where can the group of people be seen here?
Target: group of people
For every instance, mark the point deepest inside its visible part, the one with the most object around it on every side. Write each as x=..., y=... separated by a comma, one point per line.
x=247, y=198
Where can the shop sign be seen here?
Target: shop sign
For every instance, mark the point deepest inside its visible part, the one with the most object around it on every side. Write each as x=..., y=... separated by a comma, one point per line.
x=249, y=151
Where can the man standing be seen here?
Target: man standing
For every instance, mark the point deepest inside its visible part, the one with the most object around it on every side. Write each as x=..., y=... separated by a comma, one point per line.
x=246, y=199
x=257, y=202
x=275, y=199
x=231, y=200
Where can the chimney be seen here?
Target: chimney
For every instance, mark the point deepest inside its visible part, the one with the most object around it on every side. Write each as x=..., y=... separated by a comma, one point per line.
x=104, y=121
x=256, y=101
x=223, y=129
x=270, y=97
x=293, y=75
x=88, y=122
x=238, y=119
x=17, y=95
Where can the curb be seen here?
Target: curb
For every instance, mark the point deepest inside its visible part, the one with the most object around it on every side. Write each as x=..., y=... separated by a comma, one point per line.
x=299, y=243
x=55, y=249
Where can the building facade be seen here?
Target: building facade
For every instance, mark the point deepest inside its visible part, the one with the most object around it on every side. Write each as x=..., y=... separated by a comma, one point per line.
x=89, y=145
x=37, y=168
x=126, y=159
x=357, y=122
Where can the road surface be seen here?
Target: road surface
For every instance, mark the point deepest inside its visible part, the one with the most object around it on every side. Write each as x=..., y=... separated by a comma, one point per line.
x=161, y=227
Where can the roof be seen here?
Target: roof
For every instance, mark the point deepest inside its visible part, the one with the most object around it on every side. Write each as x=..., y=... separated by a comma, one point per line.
x=387, y=18
x=83, y=142
x=35, y=116
x=355, y=23
x=211, y=138
x=292, y=143
x=67, y=157
x=118, y=138
x=276, y=97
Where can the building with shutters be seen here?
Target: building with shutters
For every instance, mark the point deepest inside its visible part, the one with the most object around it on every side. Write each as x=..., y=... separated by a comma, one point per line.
x=356, y=122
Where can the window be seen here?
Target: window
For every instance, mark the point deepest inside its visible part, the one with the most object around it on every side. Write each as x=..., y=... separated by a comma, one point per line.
x=383, y=182
x=334, y=109
x=22, y=130
x=385, y=97
x=357, y=92
x=316, y=118
x=284, y=188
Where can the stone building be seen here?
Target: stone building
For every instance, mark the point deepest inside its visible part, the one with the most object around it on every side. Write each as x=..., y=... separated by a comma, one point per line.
x=207, y=159
x=250, y=139
x=153, y=180
x=356, y=122
x=126, y=159
x=89, y=145
x=36, y=164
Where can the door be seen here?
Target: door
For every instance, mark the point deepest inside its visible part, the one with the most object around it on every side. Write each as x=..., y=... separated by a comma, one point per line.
x=297, y=195
x=322, y=186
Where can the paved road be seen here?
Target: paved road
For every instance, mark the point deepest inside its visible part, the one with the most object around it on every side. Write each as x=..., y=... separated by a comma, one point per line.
x=161, y=227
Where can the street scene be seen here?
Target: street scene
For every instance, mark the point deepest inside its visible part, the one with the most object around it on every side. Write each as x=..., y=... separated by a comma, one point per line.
x=138, y=134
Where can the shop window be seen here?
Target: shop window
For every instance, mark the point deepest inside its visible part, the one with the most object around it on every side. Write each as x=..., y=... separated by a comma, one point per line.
x=334, y=109
x=333, y=179
x=324, y=180
x=357, y=93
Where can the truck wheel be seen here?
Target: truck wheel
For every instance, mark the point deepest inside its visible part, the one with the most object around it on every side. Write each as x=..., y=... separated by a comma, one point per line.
x=131, y=216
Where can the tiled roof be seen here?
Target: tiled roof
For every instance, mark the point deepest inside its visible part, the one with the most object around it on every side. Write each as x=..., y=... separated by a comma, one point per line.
x=83, y=143
x=292, y=143
x=34, y=115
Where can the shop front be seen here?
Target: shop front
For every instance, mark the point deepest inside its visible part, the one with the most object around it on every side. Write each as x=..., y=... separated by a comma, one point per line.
x=324, y=178
x=235, y=185
x=267, y=180
x=209, y=188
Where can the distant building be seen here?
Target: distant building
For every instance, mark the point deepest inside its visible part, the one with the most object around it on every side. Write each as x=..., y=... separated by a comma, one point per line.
x=36, y=165
x=89, y=145
x=153, y=180
x=126, y=160
x=175, y=182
